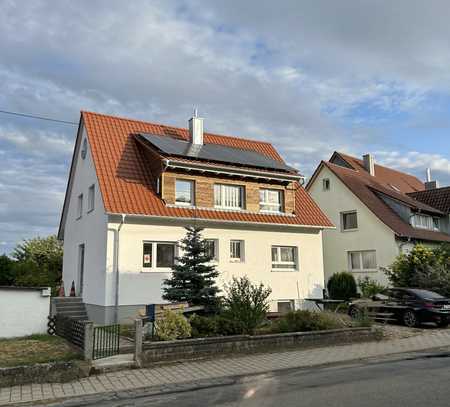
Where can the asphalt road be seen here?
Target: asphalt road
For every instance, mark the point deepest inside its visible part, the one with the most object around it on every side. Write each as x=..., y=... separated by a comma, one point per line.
x=418, y=382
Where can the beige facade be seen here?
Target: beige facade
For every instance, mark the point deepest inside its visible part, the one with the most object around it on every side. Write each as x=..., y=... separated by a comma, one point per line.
x=371, y=233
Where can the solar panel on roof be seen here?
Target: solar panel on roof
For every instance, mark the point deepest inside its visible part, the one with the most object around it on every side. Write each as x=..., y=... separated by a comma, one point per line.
x=214, y=152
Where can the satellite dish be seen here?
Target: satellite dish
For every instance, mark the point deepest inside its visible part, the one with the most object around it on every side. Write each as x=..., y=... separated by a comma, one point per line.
x=84, y=149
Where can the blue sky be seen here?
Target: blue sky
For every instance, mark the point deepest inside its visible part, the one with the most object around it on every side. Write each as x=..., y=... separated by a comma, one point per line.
x=309, y=76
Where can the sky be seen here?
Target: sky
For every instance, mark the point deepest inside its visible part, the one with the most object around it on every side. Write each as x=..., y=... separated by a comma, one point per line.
x=309, y=76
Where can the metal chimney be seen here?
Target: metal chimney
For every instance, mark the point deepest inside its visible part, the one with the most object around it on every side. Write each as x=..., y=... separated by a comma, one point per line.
x=430, y=184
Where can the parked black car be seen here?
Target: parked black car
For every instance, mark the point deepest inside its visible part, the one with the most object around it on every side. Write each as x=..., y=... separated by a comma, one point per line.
x=409, y=306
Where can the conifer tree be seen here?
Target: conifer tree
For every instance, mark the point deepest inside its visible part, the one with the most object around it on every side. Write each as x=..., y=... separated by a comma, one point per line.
x=193, y=275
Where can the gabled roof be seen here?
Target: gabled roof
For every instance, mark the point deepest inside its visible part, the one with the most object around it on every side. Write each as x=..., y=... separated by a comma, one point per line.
x=388, y=177
x=127, y=185
x=370, y=190
x=438, y=198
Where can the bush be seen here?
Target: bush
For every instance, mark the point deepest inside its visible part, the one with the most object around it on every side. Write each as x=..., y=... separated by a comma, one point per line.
x=172, y=326
x=214, y=325
x=305, y=321
x=245, y=305
x=422, y=268
x=342, y=286
x=370, y=287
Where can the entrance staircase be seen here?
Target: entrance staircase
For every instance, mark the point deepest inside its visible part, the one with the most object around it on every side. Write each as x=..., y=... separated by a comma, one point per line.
x=72, y=307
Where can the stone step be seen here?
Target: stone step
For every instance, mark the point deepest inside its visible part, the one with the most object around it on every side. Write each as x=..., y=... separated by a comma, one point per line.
x=68, y=307
x=58, y=300
x=114, y=363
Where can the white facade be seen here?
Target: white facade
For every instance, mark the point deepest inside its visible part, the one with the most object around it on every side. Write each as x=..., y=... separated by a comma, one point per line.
x=88, y=230
x=23, y=311
x=371, y=234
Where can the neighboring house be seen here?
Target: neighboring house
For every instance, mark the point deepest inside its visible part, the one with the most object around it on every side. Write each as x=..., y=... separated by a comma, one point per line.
x=375, y=215
x=438, y=198
x=134, y=185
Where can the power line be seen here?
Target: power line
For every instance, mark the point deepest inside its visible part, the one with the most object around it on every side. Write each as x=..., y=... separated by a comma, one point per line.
x=31, y=116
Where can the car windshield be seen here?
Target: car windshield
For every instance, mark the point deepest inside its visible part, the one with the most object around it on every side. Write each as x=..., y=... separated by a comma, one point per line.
x=431, y=295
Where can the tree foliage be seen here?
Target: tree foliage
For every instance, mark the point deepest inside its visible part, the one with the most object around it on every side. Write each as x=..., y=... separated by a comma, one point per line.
x=34, y=262
x=6, y=270
x=193, y=276
x=422, y=267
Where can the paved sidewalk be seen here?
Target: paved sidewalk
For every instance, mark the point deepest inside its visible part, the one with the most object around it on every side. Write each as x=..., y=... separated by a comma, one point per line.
x=177, y=374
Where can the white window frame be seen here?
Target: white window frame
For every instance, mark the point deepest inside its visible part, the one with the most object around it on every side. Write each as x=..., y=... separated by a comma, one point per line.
x=362, y=269
x=220, y=202
x=285, y=265
x=80, y=206
x=192, y=192
x=343, y=214
x=91, y=198
x=154, y=260
x=278, y=207
x=215, y=259
x=426, y=222
x=241, y=258
x=326, y=184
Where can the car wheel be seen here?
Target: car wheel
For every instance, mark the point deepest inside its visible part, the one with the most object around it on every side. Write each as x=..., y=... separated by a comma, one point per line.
x=410, y=319
x=442, y=324
x=354, y=313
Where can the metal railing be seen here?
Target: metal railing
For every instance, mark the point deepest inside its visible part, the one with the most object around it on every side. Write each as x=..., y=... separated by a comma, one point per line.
x=106, y=341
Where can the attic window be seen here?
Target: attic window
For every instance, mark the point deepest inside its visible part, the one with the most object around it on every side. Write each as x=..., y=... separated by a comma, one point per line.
x=394, y=188
x=326, y=184
x=84, y=149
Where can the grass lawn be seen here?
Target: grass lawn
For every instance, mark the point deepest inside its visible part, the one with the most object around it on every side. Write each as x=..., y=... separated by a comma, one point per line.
x=35, y=349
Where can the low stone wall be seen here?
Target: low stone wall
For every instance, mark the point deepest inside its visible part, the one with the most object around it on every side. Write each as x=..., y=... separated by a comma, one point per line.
x=58, y=372
x=206, y=347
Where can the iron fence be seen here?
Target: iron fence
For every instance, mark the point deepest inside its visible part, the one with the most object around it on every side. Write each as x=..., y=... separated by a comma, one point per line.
x=106, y=341
x=70, y=329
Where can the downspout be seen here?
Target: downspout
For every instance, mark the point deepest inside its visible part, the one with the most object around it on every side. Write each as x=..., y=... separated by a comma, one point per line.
x=117, y=272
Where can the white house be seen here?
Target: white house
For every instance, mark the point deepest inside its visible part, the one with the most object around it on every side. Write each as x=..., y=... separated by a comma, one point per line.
x=375, y=213
x=134, y=186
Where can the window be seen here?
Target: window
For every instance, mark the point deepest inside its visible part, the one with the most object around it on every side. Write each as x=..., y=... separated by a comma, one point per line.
x=212, y=248
x=285, y=306
x=236, y=250
x=228, y=196
x=91, y=197
x=365, y=260
x=158, y=255
x=326, y=184
x=184, y=192
x=349, y=220
x=284, y=258
x=421, y=221
x=270, y=200
x=80, y=206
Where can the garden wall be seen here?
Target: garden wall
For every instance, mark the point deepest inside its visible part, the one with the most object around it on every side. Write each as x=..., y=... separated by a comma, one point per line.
x=205, y=347
x=23, y=311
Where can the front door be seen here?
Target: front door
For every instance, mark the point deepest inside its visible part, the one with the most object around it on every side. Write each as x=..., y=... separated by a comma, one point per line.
x=80, y=269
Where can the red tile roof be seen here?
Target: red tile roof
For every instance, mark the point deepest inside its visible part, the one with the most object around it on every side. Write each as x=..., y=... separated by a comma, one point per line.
x=438, y=198
x=367, y=188
x=125, y=180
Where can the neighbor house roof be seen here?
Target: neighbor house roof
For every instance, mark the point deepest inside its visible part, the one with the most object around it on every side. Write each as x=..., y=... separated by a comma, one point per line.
x=438, y=198
x=127, y=185
x=390, y=183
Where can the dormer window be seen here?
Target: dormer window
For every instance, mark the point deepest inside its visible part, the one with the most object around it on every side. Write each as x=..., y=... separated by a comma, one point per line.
x=421, y=221
x=184, y=192
x=270, y=200
x=228, y=196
